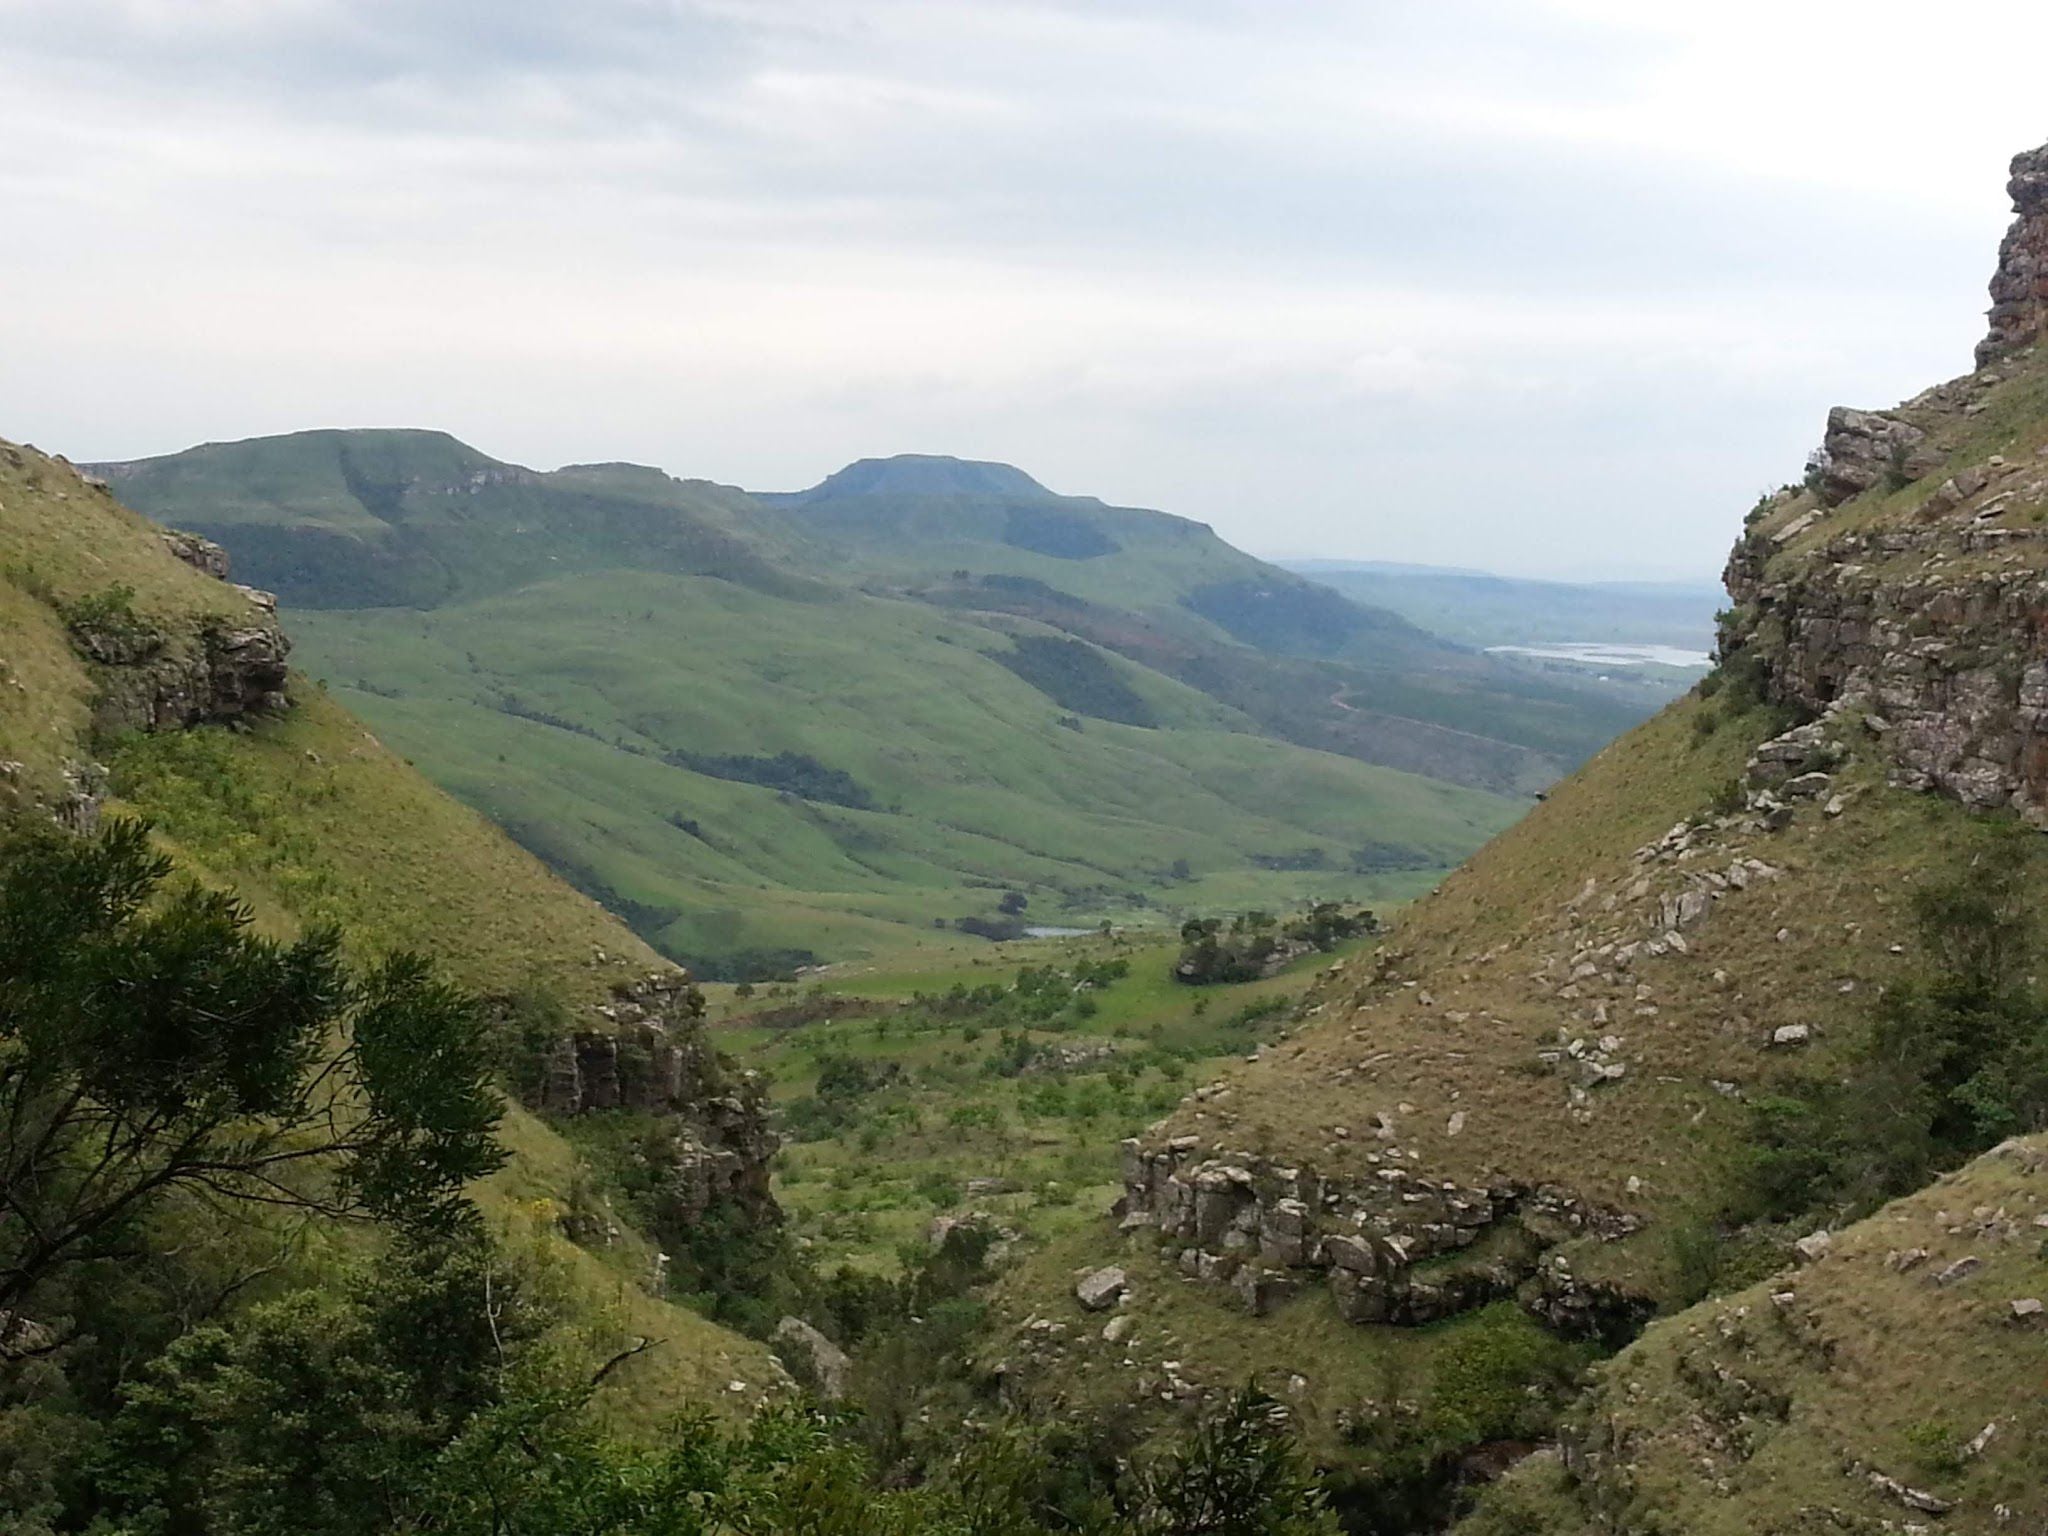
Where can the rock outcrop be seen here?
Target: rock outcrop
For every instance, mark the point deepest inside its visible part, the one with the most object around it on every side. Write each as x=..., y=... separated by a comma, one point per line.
x=226, y=672
x=813, y=1359
x=2019, y=289
x=1937, y=632
x=202, y=555
x=650, y=1057
x=1865, y=448
x=1400, y=1247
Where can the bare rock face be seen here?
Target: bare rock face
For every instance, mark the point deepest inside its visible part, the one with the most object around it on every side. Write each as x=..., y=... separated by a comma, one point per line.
x=714, y=1145
x=1951, y=660
x=1866, y=448
x=153, y=682
x=2019, y=289
x=1264, y=1230
x=201, y=554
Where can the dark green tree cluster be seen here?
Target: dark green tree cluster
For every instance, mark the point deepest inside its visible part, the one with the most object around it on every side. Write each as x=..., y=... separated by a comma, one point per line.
x=1212, y=952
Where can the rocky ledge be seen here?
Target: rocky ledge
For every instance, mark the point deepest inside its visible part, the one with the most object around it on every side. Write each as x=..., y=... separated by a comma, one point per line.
x=1397, y=1248
x=1937, y=630
x=649, y=1056
x=2019, y=290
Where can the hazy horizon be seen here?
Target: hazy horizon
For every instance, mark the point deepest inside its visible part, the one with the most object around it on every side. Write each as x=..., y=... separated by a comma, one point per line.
x=1335, y=282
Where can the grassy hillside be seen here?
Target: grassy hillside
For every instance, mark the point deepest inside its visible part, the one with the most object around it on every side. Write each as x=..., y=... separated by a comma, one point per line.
x=312, y=820
x=1639, y=1048
x=1298, y=657
x=364, y=519
x=608, y=722
x=916, y=520
x=1886, y=1384
x=763, y=729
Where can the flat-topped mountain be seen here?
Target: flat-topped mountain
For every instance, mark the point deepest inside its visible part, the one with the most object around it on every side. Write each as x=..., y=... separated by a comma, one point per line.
x=916, y=475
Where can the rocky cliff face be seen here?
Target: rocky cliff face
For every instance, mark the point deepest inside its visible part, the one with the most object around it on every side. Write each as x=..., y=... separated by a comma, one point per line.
x=2019, y=290
x=651, y=1057
x=1553, y=1065
x=1927, y=610
x=1400, y=1247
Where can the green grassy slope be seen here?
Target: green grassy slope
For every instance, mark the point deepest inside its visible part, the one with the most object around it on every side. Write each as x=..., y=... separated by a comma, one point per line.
x=559, y=711
x=1354, y=677
x=1100, y=707
x=1463, y=1061
x=312, y=820
x=1776, y=1409
x=353, y=519
x=1474, y=983
x=917, y=519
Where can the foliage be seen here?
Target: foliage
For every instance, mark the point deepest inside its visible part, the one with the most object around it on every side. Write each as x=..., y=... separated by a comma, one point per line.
x=106, y=621
x=151, y=1044
x=1498, y=1375
x=1255, y=941
x=1956, y=1058
x=788, y=773
x=1077, y=677
x=1239, y=1474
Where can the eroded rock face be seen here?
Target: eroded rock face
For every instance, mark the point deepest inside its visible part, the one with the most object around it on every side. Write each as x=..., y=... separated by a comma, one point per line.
x=1948, y=656
x=226, y=673
x=652, y=1058
x=220, y=672
x=1265, y=1230
x=201, y=554
x=1866, y=448
x=2019, y=289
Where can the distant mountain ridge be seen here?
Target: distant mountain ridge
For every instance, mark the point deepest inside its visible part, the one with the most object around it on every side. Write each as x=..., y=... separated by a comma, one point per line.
x=575, y=651
x=1480, y=608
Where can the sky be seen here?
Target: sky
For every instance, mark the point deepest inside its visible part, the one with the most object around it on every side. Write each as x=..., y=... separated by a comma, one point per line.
x=1550, y=287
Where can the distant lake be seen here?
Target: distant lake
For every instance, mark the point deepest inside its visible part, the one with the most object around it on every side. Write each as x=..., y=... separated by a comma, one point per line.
x=1041, y=932
x=1600, y=655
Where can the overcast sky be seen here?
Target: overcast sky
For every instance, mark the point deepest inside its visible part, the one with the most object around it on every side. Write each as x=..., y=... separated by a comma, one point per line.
x=1547, y=286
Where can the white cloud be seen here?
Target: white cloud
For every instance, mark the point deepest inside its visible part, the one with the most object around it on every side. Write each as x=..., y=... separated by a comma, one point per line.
x=1375, y=278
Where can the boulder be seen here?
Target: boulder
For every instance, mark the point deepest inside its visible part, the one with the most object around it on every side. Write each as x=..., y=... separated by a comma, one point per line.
x=1862, y=449
x=812, y=1358
x=1102, y=1288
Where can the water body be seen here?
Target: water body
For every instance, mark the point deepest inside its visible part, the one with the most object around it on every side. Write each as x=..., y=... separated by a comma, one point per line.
x=1595, y=654
x=1039, y=932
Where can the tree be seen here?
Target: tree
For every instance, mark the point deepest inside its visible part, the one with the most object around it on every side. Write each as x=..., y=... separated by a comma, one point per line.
x=153, y=1045
x=1239, y=1473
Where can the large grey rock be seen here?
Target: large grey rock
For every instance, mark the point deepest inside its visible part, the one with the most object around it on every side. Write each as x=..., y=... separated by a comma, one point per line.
x=812, y=1358
x=1867, y=448
x=1102, y=1288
